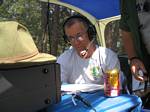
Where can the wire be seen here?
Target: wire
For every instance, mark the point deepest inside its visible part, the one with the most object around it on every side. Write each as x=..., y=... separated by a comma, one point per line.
x=85, y=102
x=75, y=95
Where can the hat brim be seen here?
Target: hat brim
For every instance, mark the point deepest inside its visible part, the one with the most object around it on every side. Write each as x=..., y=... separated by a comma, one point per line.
x=40, y=57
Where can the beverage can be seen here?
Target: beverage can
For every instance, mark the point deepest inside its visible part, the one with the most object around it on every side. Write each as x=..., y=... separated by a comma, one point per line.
x=111, y=83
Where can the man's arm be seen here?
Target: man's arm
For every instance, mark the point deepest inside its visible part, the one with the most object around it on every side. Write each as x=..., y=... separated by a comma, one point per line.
x=136, y=64
x=128, y=44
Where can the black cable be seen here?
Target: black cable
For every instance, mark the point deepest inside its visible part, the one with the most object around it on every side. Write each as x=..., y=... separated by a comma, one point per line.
x=147, y=97
x=85, y=102
x=48, y=26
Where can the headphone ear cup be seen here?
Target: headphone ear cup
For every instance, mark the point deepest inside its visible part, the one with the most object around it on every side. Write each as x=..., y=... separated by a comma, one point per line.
x=91, y=32
x=65, y=38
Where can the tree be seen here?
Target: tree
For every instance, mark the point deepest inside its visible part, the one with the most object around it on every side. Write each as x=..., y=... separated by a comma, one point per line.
x=26, y=12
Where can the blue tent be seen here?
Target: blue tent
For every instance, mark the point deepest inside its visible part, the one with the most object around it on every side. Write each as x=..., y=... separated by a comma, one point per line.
x=100, y=9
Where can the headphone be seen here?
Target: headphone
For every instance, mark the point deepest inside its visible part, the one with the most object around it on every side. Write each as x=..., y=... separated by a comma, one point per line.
x=91, y=28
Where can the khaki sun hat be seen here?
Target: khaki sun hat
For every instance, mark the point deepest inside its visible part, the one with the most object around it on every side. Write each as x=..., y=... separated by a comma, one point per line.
x=17, y=45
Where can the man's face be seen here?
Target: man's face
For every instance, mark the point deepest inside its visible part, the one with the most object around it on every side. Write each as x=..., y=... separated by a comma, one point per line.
x=78, y=36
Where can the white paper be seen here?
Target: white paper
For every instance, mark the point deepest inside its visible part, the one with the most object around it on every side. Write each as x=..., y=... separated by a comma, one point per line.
x=81, y=87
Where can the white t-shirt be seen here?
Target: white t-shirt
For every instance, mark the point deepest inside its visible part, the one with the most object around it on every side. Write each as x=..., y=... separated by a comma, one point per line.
x=76, y=70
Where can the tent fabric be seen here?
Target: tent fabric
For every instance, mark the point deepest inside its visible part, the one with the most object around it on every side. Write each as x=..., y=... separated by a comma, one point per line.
x=17, y=45
x=100, y=9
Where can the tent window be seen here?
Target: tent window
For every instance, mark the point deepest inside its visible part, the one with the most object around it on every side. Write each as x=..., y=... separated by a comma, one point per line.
x=113, y=38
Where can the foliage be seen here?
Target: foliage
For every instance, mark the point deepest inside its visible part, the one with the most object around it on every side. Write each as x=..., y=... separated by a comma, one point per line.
x=112, y=37
x=27, y=12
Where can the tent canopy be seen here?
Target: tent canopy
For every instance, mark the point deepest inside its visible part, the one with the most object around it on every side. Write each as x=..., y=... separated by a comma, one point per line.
x=100, y=9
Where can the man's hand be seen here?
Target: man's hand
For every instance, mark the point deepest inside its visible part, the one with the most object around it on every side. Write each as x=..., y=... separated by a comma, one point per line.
x=138, y=70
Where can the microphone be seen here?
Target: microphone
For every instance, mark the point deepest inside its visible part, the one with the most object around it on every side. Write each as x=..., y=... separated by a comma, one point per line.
x=83, y=53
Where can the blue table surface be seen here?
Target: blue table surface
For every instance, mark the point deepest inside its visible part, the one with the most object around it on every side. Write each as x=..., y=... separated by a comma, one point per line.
x=101, y=103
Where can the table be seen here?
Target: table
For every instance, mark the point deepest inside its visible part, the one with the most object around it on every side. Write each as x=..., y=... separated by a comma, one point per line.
x=99, y=102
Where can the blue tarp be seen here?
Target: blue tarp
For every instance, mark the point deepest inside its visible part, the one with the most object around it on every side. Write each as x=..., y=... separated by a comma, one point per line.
x=100, y=9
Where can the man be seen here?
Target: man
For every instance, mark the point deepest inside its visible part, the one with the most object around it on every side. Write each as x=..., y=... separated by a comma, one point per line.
x=135, y=26
x=84, y=62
